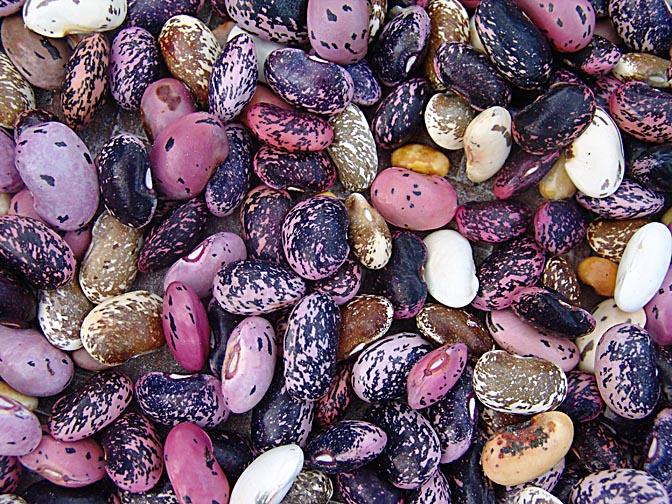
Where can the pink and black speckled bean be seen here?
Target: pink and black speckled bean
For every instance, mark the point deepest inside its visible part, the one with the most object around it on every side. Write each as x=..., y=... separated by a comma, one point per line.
x=186, y=154
x=169, y=399
x=559, y=226
x=658, y=449
x=233, y=79
x=625, y=485
x=339, y=30
x=289, y=130
x=70, y=464
x=381, y=370
x=85, y=83
x=397, y=51
x=226, y=188
x=653, y=168
x=436, y=489
x=512, y=267
x=514, y=44
x=48, y=158
x=192, y=468
x=174, y=237
x=343, y=285
x=249, y=363
x=284, y=22
x=10, y=180
x=367, y=88
x=185, y=325
x=434, y=374
x=310, y=346
x=644, y=25
x=101, y=400
x=492, y=221
x=454, y=417
x=642, y=111
x=21, y=431
x=133, y=453
x=299, y=171
x=345, y=446
x=134, y=65
x=401, y=280
x=399, y=116
x=35, y=253
x=126, y=180
x=279, y=418
x=333, y=405
x=368, y=485
x=555, y=119
x=318, y=86
x=261, y=215
x=470, y=74
x=550, y=311
x=10, y=472
x=256, y=287
x=413, y=450
x=630, y=201
x=626, y=371
x=521, y=171
x=583, y=402
x=598, y=58
x=315, y=237
x=152, y=14
x=18, y=303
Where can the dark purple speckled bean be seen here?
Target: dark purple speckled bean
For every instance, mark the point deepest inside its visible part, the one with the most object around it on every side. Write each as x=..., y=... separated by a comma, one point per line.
x=555, y=119
x=643, y=25
x=226, y=188
x=298, y=171
x=315, y=237
x=630, y=201
x=345, y=446
x=310, y=346
x=126, y=180
x=492, y=221
x=368, y=485
x=471, y=75
x=279, y=418
x=316, y=85
x=583, y=402
x=512, y=267
x=658, y=449
x=170, y=399
x=625, y=485
x=521, y=171
x=401, y=279
x=559, y=226
x=133, y=453
x=283, y=22
x=174, y=237
x=642, y=111
x=413, y=450
x=152, y=14
x=399, y=115
x=551, y=311
x=261, y=215
x=381, y=370
x=653, y=168
x=514, y=44
x=101, y=400
x=35, y=253
x=367, y=88
x=396, y=52
x=598, y=58
x=343, y=285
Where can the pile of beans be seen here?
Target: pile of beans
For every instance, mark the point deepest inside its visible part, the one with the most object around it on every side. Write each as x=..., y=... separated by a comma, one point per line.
x=364, y=250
